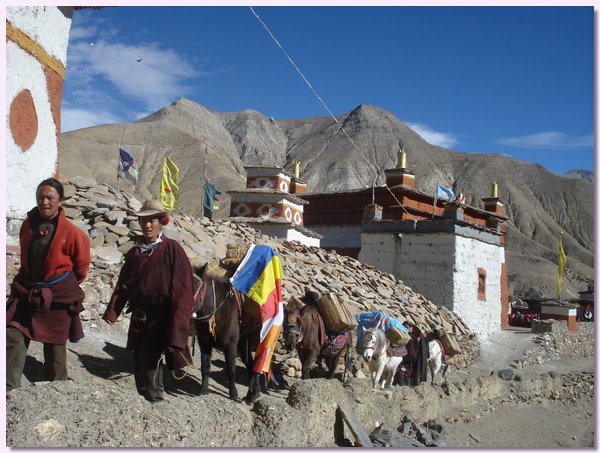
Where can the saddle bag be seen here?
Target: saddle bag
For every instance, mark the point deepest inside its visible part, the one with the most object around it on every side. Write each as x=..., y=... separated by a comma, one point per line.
x=397, y=337
x=450, y=345
x=335, y=314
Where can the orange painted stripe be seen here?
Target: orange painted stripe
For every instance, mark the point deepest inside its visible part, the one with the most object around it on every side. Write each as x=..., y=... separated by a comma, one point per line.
x=33, y=48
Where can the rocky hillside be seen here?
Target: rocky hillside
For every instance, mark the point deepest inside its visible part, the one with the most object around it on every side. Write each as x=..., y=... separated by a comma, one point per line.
x=204, y=143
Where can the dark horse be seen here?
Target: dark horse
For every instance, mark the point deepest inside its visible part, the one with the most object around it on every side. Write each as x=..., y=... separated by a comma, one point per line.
x=224, y=319
x=304, y=330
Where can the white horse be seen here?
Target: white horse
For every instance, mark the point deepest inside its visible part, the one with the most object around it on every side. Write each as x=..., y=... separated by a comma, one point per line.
x=382, y=366
x=434, y=361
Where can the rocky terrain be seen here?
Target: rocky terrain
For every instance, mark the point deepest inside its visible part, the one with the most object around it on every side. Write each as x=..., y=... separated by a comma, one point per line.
x=205, y=143
x=517, y=380
x=494, y=402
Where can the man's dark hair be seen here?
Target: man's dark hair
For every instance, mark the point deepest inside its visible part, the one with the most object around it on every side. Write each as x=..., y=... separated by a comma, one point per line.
x=54, y=183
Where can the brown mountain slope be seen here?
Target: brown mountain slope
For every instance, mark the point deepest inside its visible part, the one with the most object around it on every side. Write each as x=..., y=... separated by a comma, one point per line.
x=538, y=203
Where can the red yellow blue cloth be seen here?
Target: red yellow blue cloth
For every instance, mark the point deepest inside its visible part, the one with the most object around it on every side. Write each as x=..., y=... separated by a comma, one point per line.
x=259, y=277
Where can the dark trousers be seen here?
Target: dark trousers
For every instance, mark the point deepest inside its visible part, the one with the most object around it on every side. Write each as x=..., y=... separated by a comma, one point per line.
x=17, y=344
x=148, y=370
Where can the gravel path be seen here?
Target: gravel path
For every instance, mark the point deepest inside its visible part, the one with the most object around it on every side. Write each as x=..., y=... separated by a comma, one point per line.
x=544, y=400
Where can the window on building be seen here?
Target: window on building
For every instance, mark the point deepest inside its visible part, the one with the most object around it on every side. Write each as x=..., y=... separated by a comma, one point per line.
x=481, y=275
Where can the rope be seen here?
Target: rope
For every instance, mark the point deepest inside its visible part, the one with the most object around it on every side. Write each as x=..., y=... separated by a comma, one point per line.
x=315, y=92
x=185, y=372
x=210, y=315
x=377, y=173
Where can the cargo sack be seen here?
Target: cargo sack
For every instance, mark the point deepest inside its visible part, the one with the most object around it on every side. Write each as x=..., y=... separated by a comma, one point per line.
x=215, y=271
x=335, y=314
x=397, y=337
x=235, y=254
x=450, y=345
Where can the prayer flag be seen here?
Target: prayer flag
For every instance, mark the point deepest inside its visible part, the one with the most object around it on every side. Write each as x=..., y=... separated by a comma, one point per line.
x=126, y=168
x=444, y=192
x=562, y=263
x=169, y=185
x=461, y=198
x=210, y=196
x=259, y=277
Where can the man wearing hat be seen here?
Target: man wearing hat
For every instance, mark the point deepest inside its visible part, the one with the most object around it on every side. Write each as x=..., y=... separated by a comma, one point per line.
x=156, y=281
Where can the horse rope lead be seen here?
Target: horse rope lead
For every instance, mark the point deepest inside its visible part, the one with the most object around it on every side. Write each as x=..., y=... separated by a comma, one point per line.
x=187, y=363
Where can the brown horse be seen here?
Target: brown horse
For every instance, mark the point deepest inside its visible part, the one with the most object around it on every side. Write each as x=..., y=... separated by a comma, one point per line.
x=305, y=331
x=224, y=319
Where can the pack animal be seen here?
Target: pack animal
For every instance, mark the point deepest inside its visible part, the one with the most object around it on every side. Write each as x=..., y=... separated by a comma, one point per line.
x=222, y=321
x=304, y=330
x=375, y=351
x=435, y=360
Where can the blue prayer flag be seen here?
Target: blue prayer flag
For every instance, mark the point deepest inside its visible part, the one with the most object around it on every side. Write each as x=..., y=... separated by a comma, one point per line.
x=126, y=168
x=444, y=192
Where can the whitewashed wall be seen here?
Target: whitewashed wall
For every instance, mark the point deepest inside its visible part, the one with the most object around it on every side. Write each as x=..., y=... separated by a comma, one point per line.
x=25, y=169
x=425, y=262
x=339, y=236
x=43, y=39
x=379, y=250
x=444, y=268
x=286, y=233
x=483, y=317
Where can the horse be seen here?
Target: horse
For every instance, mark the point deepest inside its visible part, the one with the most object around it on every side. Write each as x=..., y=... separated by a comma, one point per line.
x=375, y=351
x=435, y=361
x=304, y=330
x=222, y=319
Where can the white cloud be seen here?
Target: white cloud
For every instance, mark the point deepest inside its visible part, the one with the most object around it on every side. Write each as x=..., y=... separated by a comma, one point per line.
x=105, y=83
x=157, y=80
x=548, y=140
x=75, y=118
x=444, y=139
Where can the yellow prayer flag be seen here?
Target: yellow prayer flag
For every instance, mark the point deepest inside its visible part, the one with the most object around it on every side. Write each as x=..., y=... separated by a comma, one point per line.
x=562, y=263
x=169, y=184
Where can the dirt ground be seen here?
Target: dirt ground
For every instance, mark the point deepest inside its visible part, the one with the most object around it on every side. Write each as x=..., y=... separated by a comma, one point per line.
x=545, y=400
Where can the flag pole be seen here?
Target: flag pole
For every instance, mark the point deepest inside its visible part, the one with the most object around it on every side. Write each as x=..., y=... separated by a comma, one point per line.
x=205, y=177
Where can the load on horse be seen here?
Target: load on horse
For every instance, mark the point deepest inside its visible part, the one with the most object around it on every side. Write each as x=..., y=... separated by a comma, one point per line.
x=417, y=352
x=239, y=308
x=306, y=331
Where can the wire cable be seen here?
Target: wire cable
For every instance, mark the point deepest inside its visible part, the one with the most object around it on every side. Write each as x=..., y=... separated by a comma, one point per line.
x=315, y=92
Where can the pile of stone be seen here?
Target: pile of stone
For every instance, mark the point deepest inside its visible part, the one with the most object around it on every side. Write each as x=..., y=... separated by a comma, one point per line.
x=560, y=342
x=108, y=217
x=409, y=434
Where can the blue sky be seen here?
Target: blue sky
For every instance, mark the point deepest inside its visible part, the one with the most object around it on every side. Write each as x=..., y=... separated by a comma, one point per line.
x=510, y=80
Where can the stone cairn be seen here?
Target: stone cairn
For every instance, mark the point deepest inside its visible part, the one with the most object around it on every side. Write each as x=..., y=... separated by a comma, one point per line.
x=108, y=217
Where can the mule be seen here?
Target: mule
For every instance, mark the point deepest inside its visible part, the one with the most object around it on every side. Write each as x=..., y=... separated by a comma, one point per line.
x=304, y=330
x=223, y=320
x=435, y=360
x=375, y=351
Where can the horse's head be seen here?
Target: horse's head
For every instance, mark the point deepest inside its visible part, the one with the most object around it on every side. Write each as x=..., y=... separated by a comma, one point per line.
x=369, y=343
x=292, y=329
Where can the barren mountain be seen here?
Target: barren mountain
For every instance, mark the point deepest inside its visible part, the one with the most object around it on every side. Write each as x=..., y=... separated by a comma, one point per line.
x=208, y=144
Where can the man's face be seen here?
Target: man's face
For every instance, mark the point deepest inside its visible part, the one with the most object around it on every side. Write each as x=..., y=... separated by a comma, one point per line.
x=150, y=228
x=48, y=202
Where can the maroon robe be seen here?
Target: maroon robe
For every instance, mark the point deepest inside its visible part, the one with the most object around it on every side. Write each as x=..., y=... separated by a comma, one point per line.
x=159, y=285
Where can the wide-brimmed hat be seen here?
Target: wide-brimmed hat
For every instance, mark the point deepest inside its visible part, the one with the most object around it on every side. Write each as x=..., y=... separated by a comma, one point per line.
x=151, y=207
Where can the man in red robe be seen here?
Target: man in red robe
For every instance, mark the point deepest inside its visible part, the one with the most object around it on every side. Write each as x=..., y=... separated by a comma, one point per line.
x=156, y=280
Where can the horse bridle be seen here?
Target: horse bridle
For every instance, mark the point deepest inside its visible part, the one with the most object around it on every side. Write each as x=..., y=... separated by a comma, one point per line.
x=373, y=347
x=295, y=328
x=211, y=314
